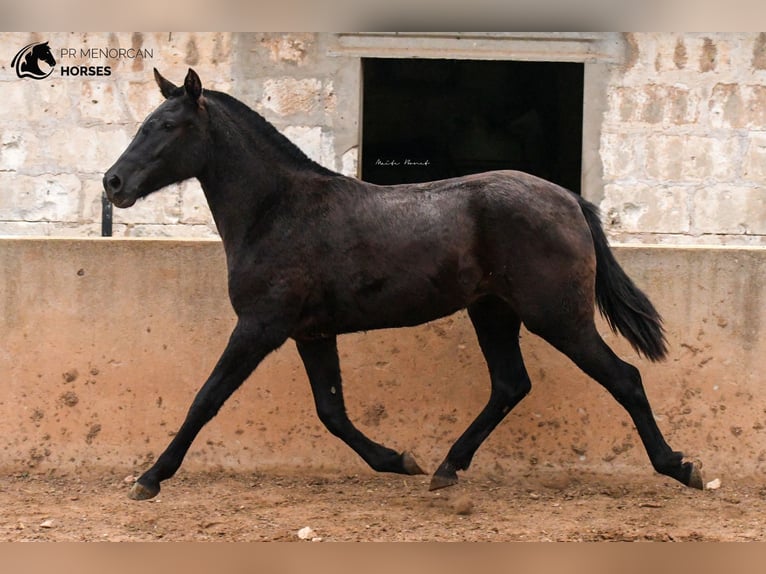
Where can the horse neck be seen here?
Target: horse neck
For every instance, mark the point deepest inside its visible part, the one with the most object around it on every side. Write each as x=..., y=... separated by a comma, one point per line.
x=246, y=175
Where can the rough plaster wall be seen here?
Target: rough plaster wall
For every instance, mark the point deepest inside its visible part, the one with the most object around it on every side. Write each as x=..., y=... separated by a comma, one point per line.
x=683, y=141
x=99, y=363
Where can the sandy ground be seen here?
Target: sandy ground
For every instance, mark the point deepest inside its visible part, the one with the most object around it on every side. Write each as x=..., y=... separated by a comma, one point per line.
x=275, y=506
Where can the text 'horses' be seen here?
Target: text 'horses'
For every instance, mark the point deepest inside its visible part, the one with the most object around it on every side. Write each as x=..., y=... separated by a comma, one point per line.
x=312, y=254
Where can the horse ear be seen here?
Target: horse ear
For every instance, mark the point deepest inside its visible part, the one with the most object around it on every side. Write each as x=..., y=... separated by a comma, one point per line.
x=166, y=87
x=193, y=86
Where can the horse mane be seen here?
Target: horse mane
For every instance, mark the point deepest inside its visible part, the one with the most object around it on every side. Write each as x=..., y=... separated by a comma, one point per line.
x=242, y=114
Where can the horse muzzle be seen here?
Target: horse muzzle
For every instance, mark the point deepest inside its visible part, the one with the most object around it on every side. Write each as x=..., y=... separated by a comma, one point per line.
x=116, y=192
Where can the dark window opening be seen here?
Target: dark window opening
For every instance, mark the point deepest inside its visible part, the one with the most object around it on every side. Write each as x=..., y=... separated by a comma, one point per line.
x=433, y=119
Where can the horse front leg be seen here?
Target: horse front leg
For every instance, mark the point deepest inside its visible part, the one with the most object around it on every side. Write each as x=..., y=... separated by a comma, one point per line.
x=249, y=343
x=320, y=357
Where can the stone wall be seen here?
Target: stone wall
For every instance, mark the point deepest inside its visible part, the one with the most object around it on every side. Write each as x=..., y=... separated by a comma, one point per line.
x=59, y=135
x=681, y=141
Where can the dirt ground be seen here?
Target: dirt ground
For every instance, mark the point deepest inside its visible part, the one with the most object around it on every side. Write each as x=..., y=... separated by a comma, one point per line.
x=275, y=506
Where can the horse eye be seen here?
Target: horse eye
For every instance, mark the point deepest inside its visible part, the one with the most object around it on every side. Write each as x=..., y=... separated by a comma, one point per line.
x=168, y=125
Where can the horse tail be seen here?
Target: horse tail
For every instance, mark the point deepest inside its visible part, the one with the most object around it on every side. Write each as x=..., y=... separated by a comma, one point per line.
x=624, y=306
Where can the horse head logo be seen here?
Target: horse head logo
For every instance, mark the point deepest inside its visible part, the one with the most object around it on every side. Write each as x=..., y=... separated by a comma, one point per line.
x=27, y=61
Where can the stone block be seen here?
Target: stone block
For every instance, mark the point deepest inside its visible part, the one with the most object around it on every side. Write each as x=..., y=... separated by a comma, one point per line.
x=738, y=106
x=671, y=53
x=622, y=155
x=23, y=228
x=664, y=157
x=712, y=157
x=708, y=55
x=87, y=150
x=755, y=159
x=680, y=54
x=652, y=110
x=13, y=148
x=654, y=104
x=41, y=198
x=623, y=105
x=646, y=209
x=180, y=50
x=759, y=52
x=100, y=102
x=91, y=201
x=681, y=105
x=289, y=96
x=755, y=98
x=669, y=105
x=141, y=98
x=53, y=102
x=21, y=105
x=729, y=209
x=675, y=158
x=726, y=106
x=71, y=229
x=288, y=48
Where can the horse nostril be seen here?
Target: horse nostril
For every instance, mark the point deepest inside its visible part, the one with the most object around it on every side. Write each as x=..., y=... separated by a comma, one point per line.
x=113, y=183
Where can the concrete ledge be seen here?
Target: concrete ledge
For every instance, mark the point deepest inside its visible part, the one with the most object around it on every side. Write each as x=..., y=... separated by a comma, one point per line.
x=104, y=343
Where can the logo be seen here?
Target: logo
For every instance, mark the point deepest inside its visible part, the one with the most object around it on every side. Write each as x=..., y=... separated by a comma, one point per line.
x=27, y=61
x=36, y=60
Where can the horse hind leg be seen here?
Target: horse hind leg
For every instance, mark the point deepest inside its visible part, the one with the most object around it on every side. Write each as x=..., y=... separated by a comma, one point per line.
x=320, y=358
x=623, y=381
x=497, y=329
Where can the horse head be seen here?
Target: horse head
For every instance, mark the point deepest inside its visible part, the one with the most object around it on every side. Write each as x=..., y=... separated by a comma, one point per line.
x=43, y=52
x=27, y=61
x=170, y=146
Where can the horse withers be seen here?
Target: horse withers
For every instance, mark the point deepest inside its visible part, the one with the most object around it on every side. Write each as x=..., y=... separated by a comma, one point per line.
x=312, y=254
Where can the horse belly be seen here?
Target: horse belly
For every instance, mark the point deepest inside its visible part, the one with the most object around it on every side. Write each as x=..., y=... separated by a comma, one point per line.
x=369, y=301
x=398, y=307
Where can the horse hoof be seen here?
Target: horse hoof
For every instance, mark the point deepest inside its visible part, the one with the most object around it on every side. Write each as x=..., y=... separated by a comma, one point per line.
x=695, y=478
x=442, y=481
x=409, y=464
x=142, y=492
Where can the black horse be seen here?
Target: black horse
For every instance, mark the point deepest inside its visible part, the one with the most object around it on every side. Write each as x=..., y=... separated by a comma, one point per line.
x=27, y=61
x=312, y=254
